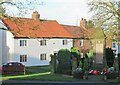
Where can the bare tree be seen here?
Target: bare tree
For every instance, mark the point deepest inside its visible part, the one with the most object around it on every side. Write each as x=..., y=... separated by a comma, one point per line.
x=23, y=7
x=106, y=14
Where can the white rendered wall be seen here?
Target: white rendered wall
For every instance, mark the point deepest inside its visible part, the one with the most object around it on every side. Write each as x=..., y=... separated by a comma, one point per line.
x=0, y=47
x=6, y=44
x=4, y=47
x=1, y=40
x=10, y=46
x=117, y=49
x=33, y=50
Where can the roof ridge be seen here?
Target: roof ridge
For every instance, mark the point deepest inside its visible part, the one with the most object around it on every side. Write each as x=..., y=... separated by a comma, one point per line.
x=70, y=25
x=25, y=18
x=49, y=28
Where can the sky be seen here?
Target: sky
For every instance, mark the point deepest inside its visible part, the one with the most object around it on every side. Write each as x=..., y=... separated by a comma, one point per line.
x=67, y=12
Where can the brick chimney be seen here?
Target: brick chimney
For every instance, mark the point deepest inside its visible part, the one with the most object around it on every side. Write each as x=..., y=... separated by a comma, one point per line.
x=36, y=16
x=83, y=23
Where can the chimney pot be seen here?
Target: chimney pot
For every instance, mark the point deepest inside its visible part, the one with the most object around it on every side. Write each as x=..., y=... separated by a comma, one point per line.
x=36, y=16
x=83, y=23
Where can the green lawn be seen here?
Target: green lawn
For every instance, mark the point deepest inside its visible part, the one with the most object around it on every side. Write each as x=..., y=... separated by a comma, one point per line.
x=38, y=69
x=43, y=73
x=40, y=73
x=117, y=80
x=47, y=76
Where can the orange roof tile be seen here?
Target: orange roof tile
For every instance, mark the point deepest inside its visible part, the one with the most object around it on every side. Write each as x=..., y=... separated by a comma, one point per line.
x=76, y=31
x=24, y=27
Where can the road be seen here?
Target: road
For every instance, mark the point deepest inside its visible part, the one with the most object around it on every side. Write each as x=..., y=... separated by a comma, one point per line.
x=59, y=84
x=18, y=82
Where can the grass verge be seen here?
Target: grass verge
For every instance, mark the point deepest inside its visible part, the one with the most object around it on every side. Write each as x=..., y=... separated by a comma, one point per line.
x=117, y=80
x=46, y=76
x=41, y=73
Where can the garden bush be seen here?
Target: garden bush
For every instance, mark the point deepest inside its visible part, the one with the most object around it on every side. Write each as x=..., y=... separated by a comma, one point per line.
x=64, y=61
x=110, y=57
x=119, y=60
x=86, y=63
x=112, y=75
x=78, y=73
x=53, y=63
x=75, y=55
x=90, y=58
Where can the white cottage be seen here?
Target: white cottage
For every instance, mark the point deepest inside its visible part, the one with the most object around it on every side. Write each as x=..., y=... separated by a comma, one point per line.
x=116, y=49
x=32, y=41
x=6, y=44
x=116, y=45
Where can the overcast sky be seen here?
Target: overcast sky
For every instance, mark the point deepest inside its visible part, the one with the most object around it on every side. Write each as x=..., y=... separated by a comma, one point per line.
x=64, y=11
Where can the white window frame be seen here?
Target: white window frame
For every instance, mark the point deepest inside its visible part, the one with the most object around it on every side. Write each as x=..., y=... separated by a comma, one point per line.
x=65, y=42
x=43, y=56
x=81, y=43
x=23, y=43
x=23, y=58
x=113, y=45
x=43, y=42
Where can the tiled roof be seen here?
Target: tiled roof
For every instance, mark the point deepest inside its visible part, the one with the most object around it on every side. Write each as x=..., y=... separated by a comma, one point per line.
x=91, y=32
x=96, y=33
x=24, y=27
x=76, y=31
